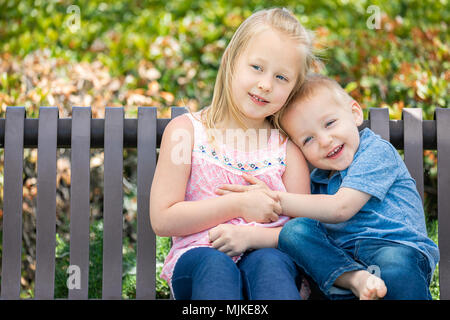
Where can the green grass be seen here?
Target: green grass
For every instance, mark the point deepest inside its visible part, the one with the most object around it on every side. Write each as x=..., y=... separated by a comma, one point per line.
x=432, y=229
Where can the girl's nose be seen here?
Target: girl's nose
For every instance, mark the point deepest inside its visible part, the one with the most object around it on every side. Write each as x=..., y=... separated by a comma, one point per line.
x=265, y=85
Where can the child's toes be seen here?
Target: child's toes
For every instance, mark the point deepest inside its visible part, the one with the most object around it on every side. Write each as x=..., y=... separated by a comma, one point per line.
x=382, y=290
x=376, y=287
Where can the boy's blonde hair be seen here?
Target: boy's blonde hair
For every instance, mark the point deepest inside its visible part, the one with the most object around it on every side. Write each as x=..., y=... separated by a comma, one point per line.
x=312, y=84
x=282, y=20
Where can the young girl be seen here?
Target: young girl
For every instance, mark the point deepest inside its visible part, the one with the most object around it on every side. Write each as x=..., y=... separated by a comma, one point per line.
x=263, y=65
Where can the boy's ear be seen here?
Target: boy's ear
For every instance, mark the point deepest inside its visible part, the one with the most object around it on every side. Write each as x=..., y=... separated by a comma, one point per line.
x=357, y=112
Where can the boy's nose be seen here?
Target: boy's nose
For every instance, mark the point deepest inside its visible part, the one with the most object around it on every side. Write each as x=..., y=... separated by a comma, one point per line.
x=325, y=140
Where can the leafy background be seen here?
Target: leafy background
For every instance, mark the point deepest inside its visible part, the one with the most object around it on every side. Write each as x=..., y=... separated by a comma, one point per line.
x=166, y=53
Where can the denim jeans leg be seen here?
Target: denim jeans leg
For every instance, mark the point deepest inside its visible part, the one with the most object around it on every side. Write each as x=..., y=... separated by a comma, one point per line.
x=404, y=270
x=307, y=242
x=269, y=274
x=206, y=274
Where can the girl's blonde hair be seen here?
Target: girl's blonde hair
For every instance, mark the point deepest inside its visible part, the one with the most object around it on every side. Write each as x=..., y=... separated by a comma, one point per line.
x=282, y=20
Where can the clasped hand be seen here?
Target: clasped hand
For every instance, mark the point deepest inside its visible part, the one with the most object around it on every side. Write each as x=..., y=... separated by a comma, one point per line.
x=258, y=203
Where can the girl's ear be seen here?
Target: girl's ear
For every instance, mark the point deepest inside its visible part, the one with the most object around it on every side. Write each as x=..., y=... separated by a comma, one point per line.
x=357, y=112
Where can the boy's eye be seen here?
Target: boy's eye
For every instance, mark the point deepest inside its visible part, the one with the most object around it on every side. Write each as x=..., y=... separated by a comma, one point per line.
x=308, y=139
x=281, y=78
x=256, y=67
x=329, y=123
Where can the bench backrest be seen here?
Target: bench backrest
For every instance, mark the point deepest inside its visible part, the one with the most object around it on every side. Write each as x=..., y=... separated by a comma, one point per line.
x=114, y=133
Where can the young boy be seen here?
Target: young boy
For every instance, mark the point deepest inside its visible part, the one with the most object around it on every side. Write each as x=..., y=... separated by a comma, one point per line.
x=364, y=213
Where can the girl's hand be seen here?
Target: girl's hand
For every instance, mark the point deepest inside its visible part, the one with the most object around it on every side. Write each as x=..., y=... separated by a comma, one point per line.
x=257, y=202
x=230, y=239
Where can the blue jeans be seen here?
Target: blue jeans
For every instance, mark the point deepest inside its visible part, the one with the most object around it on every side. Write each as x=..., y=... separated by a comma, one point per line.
x=405, y=270
x=208, y=274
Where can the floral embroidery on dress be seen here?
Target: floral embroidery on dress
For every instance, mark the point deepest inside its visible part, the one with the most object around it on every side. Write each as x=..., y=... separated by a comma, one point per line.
x=212, y=154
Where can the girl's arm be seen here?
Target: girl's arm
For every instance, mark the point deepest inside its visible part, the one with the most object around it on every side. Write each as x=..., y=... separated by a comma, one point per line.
x=171, y=215
x=236, y=239
x=296, y=176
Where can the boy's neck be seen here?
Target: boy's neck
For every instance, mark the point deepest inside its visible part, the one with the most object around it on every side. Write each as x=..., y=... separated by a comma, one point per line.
x=331, y=173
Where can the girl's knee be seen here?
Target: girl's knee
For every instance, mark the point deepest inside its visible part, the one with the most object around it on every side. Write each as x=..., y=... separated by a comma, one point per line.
x=268, y=261
x=212, y=261
x=268, y=256
x=216, y=257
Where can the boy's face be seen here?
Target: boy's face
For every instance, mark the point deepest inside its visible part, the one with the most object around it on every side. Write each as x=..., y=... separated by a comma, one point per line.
x=326, y=131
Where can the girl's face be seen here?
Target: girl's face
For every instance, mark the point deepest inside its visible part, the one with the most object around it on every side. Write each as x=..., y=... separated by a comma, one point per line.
x=265, y=74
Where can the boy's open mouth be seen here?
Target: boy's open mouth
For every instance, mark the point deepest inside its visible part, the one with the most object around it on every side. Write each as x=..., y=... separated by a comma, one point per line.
x=257, y=99
x=335, y=152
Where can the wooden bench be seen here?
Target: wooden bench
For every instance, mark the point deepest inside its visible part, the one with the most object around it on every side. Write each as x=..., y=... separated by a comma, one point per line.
x=114, y=133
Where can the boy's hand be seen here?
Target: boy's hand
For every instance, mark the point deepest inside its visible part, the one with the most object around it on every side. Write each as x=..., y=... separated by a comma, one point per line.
x=260, y=206
x=254, y=185
x=257, y=202
x=230, y=239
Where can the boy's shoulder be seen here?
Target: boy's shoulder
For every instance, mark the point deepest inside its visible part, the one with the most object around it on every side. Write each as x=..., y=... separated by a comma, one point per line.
x=373, y=148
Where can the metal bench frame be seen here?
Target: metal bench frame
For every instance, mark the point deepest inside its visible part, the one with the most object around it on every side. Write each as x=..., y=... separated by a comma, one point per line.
x=114, y=133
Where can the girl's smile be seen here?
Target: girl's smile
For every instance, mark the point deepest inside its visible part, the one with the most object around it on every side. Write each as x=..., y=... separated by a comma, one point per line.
x=258, y=100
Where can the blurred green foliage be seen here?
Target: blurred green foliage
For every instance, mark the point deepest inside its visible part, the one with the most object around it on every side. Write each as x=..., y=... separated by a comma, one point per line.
x=165, y=53
x=403, y=64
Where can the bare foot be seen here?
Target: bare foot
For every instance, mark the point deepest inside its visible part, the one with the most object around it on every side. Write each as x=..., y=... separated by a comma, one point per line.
x=370, y=287
x=363, y=284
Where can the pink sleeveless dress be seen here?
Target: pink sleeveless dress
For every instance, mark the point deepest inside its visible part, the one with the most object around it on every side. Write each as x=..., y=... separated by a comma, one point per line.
x=211, y=167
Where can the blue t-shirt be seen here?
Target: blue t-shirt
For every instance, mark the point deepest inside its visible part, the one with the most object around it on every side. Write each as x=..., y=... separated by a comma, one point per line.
x=395, y=210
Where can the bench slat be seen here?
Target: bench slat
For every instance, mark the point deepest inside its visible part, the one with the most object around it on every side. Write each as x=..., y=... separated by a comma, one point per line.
x=379, y=122
x=413, y=145
x=146, y=239
x=12, y=203
x=79, y=198
x=46, y=203
x=113, y=204
x=443, y=199
x=175, y=112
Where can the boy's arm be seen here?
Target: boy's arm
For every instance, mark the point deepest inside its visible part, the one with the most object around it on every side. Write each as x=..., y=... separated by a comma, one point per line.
x=371, y=174
x=234, y=240
x=335, y=208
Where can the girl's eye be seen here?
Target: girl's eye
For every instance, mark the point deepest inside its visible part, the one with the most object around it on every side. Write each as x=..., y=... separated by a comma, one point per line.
x=308, y=139
x=281, y=78
x=258, y=68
